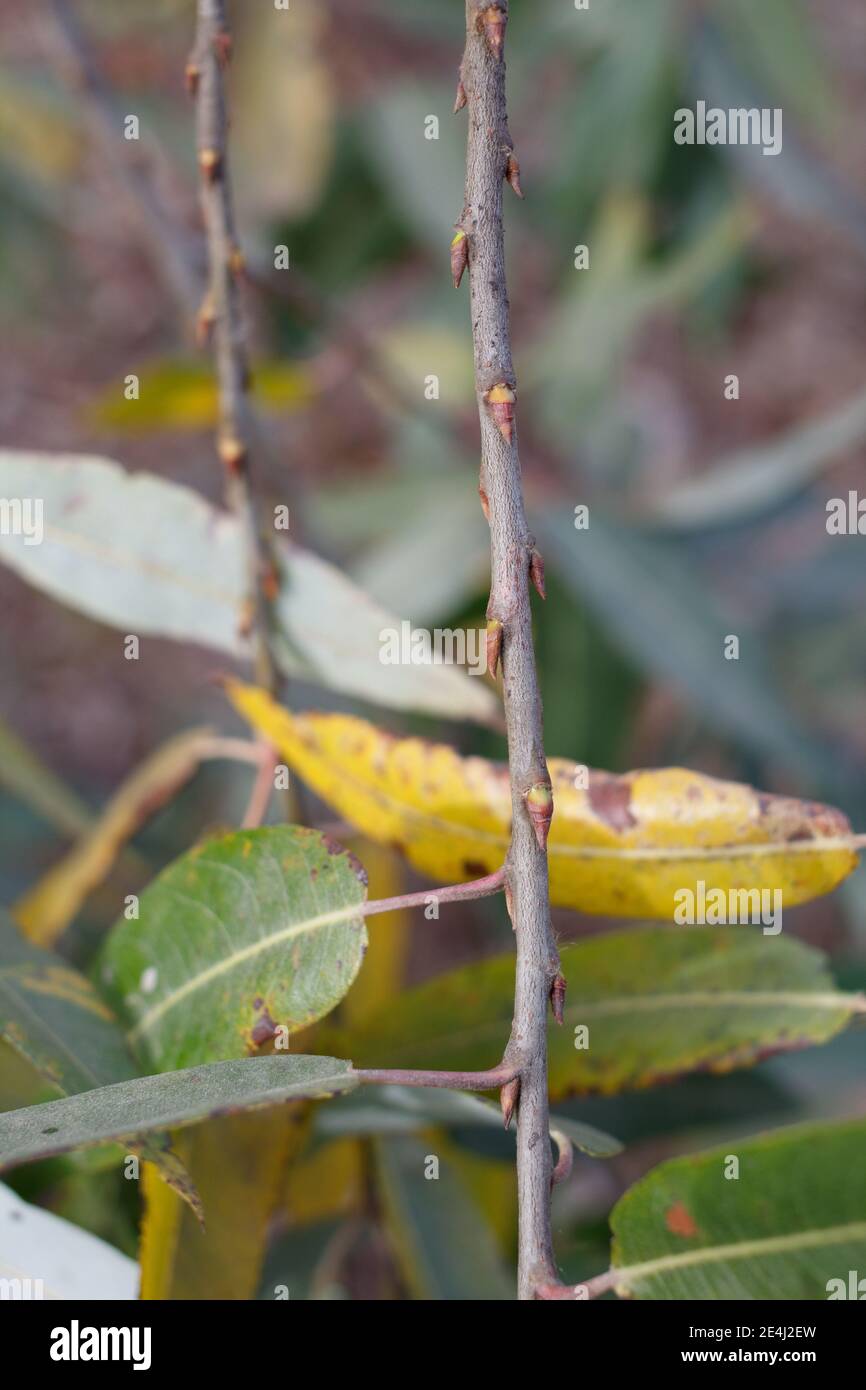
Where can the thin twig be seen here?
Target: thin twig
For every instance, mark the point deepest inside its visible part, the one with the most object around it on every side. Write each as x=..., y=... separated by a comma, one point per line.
x=220, y=315
x=452, y=1080
x=490, y=160
x=262, y=788
x=454, y=893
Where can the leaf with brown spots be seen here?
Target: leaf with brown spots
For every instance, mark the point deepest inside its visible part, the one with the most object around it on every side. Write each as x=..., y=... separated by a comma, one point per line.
x=623, y=846
x=245, y=935
x=790, y=1221
x=643, y=1006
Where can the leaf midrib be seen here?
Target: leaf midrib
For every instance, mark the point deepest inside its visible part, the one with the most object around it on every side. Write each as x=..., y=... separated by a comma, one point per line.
x=740, y=1250
x=228, y=963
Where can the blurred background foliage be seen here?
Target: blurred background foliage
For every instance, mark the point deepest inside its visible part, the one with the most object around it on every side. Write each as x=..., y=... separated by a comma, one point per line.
x=707, y=515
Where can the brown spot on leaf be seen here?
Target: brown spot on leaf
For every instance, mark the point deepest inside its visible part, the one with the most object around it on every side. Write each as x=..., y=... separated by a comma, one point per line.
x=680, y=1221
x=264, y=1028
x=473, y=868
x=610, y=800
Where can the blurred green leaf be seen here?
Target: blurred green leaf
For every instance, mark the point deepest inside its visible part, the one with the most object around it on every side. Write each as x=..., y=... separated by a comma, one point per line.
x=658, y=1002
x=656, y=609
x=792, y=1221
x=446, y=1250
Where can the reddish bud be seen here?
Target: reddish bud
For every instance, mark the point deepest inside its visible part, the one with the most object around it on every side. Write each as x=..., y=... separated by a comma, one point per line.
x=205, y=320
x=509, y=903
x=485, y=505
x=232, y=452
x=210, y=162
x=493, y=21
x=508, y=1099
x=223, y=48
x=271, y=590
x=512, y=174
x=237, y=263
x=460, y=99
x=500, y=402
x=191, y=76
x=494, y=645
x=459, y=257
x=536, y=572
x=557, y=997
x=539, y=804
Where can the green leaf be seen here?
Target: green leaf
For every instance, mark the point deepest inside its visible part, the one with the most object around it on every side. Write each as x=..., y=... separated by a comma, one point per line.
x=147, y=556
x=658, y=1002
x=172, y=1100
x=259, y=930
x=446, y=1249
x=53, y=1018
x=404, y=1109
x=27, y=778
x=654, y=608
x=793, y=1220
x=740, y=487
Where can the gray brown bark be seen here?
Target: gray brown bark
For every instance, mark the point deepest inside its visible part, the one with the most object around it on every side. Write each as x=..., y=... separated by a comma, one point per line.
x=488, y=150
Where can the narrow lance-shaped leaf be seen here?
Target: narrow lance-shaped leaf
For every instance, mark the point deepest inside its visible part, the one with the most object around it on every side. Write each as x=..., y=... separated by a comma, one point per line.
x=168, y=1101
x=788, y=1223
x=53, y=1018
x=623, y=846
x=445, y=1248
x=642, y=1007
x=46, y=910
x=148, y=556
x=245, y=936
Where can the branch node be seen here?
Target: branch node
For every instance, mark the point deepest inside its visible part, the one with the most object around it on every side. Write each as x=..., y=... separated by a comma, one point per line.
x=564, y=1160
x=492, y=21
x=222, y=44
x=460, y=99
x=232, y=453
x=485, y=504
x=192, y=77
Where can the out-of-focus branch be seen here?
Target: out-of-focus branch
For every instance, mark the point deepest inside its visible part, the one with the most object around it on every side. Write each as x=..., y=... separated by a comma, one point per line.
x=220, y=319
x=171, y=250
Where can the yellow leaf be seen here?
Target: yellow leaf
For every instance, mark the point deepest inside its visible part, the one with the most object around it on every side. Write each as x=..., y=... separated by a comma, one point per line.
x=46, y=910
x=326, y=1184
x=385, y=958
x=183, y=396
x=622, y=847
x=237, y=1164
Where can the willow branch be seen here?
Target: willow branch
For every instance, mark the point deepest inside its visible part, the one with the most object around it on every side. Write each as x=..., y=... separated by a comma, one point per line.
x=480, y=243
